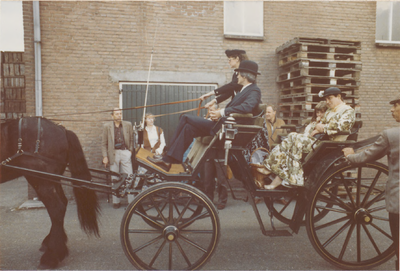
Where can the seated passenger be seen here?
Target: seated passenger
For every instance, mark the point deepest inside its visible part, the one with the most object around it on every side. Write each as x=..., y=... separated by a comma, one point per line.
x=190, y=127
x=273, y=123
x=153, y=136
x=284, y=159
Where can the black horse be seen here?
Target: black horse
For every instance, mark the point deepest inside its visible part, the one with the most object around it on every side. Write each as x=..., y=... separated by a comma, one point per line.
x=47, y=147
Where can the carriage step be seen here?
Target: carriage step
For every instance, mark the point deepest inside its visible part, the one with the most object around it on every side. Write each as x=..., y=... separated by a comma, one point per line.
x=277, y=233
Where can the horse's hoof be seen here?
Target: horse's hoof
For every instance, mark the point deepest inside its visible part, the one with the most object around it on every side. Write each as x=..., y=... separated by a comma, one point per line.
x=43, y=248
x=45, y=267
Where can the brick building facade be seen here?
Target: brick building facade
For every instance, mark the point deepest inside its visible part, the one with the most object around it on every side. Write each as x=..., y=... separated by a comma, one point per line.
x=88, y=48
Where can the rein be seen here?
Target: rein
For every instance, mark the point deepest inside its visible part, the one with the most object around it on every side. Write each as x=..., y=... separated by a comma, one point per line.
x=132, y=108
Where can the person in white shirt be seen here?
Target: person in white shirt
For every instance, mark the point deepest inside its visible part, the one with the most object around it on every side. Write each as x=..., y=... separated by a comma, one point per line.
x=153, y=136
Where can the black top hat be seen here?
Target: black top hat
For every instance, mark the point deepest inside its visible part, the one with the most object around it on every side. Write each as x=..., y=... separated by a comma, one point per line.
x=330, y=91
x=234, y=52
x=248, y=66
x=395, y=99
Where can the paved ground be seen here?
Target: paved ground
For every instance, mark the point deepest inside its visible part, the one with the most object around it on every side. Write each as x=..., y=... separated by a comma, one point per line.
x=241, y=247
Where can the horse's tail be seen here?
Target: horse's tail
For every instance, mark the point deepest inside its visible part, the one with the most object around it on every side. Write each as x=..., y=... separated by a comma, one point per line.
x=86, y=199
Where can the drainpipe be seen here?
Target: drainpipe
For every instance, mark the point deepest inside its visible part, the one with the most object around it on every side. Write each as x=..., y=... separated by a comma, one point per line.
x=38, y=59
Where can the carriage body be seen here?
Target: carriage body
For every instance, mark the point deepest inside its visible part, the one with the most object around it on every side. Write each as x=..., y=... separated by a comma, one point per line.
x=341, y=205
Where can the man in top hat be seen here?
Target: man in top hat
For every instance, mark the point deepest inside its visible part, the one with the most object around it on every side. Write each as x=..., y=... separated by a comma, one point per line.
x=190, y=127
x=235, y=56
x=386, y=144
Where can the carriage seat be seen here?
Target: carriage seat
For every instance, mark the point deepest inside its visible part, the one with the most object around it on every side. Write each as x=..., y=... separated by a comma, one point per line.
x=201, y=144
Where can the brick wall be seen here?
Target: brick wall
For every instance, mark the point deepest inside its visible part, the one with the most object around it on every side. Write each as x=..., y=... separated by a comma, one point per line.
x=84, y=42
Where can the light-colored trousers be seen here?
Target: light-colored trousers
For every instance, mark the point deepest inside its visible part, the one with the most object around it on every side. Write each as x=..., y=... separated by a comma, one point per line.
x=122, y=164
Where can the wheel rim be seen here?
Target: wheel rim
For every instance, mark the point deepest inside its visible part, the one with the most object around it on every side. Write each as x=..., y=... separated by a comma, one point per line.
x=170, y=226
x=354, y=232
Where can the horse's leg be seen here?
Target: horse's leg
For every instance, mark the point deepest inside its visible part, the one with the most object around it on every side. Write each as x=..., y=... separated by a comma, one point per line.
x=55, y=242
x=64, y=199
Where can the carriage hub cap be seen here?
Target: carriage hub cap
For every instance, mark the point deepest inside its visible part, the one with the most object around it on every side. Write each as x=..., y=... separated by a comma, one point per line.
x=171, y=233
x=363, y=216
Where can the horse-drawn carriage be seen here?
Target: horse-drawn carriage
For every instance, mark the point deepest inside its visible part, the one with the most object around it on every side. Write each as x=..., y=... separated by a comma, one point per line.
x=173, y=225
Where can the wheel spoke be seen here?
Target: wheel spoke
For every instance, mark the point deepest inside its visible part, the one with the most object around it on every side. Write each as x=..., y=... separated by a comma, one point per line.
x=157, y=209
x=371, y=188
x=200, y=216
x=371, y=239
x=197, y=231
x=333, y=200
x=143, y=231
x=336, y=234
x=157, y=253
x=155, y=223
x=358, y=194
x=193, y=244
x=382, y=231
x=183, y=253
x=170, y=257
x=380, y=218
x=346, y=186
x=346, y=241
x=184, y=210
x=147, y=244
x=331, y=223
x=376, y=209
x=379, y=197
x=358, y=242
x=319, y=207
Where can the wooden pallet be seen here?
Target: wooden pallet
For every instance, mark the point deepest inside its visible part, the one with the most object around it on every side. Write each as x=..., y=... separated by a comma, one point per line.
x=315, y=89
x=318, y=55
x=322, y=63
x=318, y=41
x=318, y=80
x=327, y=72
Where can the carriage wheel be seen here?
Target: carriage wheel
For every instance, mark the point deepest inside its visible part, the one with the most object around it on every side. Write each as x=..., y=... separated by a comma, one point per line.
x=283, y=207
x=177, y=239
x=355, y=231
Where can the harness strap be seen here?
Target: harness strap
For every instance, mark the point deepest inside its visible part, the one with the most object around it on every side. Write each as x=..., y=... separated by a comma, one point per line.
x=38, y=136
x=20, y=136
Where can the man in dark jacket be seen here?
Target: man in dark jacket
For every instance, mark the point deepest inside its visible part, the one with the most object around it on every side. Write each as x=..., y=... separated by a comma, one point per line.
x=190, y=127
x=386, y=144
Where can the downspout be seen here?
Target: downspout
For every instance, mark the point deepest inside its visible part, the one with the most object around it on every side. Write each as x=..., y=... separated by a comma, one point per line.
x=38, y=59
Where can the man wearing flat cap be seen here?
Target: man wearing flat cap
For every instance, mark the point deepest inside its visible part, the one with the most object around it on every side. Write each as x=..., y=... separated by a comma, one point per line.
x=190, y=127
x=223, y=93
x=386, y=144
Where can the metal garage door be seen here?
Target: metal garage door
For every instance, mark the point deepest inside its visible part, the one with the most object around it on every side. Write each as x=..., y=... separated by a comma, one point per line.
x=134, y=94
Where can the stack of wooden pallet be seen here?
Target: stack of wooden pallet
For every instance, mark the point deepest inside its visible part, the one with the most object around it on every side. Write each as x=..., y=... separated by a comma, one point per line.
x=12, y=85
x=309, y=65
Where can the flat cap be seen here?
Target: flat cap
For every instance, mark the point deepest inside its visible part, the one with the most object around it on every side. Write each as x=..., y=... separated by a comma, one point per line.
x=234, y=52
x=395, y=99
x=330, y=91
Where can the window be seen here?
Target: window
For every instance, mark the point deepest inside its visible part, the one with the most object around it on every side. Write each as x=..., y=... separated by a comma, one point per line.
x=133, y=95
x=244, y=19
x=387, y=23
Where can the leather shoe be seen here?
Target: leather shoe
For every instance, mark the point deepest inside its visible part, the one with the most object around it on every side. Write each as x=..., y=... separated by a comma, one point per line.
x=159, y=162
x=221, y=206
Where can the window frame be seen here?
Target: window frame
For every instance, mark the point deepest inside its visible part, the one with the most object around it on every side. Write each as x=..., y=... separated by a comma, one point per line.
x=243, y=35
x=388, y=42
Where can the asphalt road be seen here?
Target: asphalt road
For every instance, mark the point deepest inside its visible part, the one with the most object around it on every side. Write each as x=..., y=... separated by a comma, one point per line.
x=241, y=247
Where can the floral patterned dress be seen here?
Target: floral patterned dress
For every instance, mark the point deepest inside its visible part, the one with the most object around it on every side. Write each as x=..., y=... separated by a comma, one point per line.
x=284, y=159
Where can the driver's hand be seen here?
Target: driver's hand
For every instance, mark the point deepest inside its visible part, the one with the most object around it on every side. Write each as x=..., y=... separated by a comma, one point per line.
x=210, y=103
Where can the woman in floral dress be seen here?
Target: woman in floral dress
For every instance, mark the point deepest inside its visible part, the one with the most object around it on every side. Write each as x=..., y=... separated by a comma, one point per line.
x=284, y=159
